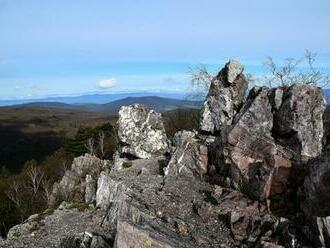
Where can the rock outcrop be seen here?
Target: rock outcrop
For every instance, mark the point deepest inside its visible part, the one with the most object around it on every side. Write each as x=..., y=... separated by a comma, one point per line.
x=225, y=97
x=209, y=189
x=141, y=131
x=79, y=183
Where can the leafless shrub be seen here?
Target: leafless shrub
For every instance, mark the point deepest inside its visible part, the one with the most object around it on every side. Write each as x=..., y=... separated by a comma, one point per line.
x=200, y=79
x=46, y=187
x=13, y=193
x=294, y=71
x=35, y=177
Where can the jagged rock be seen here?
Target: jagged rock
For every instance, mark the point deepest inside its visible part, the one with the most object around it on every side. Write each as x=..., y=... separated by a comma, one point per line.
x=224, y=99
x=103, y=190
x=142, y=132
x=90, y=191
x=258, y=166
x=190, y=157
x=298, y=123
x=72, y=186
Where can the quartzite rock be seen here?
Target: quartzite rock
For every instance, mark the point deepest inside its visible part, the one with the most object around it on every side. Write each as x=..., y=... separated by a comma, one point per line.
x=142, y=132
x=258, y=166
x=225, y=97
x=190, y=157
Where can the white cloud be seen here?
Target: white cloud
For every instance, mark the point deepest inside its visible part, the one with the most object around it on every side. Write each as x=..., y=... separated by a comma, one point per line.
x=106, y=84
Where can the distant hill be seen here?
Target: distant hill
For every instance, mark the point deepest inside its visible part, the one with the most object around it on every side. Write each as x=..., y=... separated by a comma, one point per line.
x=158, y=103
x=154, y=102
x=93, y=98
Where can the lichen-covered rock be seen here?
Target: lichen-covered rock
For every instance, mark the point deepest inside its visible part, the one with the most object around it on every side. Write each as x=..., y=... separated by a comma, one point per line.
x=298, y=122
x=190, y=157
x=258, y=166
x=142, y=132
x=225, y=97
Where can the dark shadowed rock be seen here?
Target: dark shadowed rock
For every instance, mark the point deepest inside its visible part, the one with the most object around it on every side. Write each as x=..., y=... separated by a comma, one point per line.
x=298, y=122
x=316, y=188
x=225, y=97
x=190, y=156
x=142, y=132
x=258, y=166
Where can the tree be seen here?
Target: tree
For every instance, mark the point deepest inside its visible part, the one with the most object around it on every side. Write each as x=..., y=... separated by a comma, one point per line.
x=35, y=176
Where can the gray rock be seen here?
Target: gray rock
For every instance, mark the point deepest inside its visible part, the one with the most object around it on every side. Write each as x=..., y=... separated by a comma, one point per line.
x=142, y=132
x=234, y=69
x=225, y=97
x=103, y=190
x=72, y=186
x=63, y=227
x=299, y=121
x=190, y=157
x=90, y=191
x=129, y=235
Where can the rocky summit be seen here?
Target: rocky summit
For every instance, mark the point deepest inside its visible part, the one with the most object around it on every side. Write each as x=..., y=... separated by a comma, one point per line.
x=256, y=174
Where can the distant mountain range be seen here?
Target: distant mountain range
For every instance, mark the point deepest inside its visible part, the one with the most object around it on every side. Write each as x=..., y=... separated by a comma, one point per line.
x=94, y=98
x=154, y=102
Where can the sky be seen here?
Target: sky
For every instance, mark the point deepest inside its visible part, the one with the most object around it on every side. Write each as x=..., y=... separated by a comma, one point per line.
x=106, y=46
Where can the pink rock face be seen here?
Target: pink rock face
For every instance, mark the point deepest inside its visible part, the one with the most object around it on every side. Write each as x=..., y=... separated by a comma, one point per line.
x=258, y=166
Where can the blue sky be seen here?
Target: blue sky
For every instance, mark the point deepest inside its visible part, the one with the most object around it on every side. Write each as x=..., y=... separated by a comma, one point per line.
x=74, y=47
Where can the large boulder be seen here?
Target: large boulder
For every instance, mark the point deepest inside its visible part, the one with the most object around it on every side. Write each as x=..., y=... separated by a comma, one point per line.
x=298, y=120
x=190, y=157
x=257, y=165
x=225, y=97
x=141, y=131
